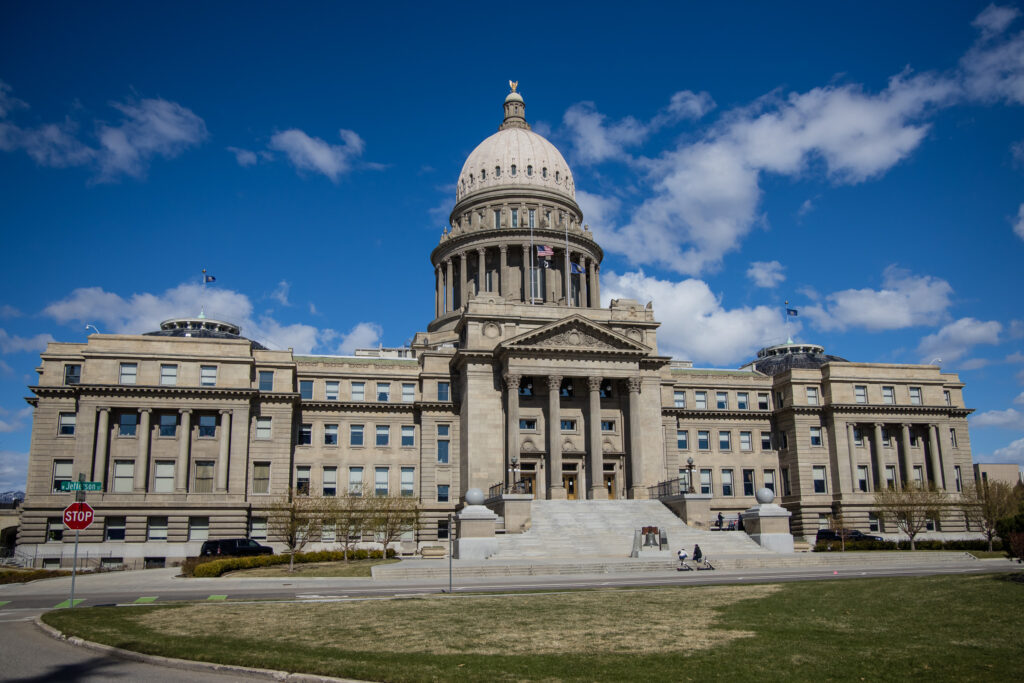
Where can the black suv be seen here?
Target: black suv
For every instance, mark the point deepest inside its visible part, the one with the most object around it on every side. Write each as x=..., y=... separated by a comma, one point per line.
x=848, y=534
x=235, y=546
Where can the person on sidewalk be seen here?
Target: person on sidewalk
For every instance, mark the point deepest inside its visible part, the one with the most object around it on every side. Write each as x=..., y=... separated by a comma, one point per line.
x=720, y=520
x=697, y=554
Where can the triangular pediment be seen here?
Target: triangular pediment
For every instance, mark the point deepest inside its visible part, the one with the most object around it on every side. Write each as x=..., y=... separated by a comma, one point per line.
x=575, y=333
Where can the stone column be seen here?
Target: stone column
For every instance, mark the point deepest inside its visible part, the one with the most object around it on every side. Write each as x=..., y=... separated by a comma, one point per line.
x=554, y=431
x=142, y=462
x=481, y=267
x=597, y=285
x=595, y=469
x=947, y=456
x=502, y=268
x=512, y=412
x=225, y=451
x=526, y=273
x=876, y=457
x=934, y=460
x=636, y=455
x=449, y=289
x=99, y=462
x=438, y=291
x=851, y=454
x=584, y=301
x=905, y=463
x=184, y=443
x=463, y=279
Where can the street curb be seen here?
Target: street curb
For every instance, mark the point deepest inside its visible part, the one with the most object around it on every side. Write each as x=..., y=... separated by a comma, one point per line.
x=188, y=664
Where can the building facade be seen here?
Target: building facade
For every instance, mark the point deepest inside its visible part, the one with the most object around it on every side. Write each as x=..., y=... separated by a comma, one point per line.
x=520, y=377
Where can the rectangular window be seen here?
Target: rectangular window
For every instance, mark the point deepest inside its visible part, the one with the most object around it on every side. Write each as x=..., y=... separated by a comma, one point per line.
x=355, y=435
x=355, y=481
x=331, y=390
x=442, y=391
x=918, y=475
x=860, y=394
x=915, y=396
x=266, y=380
x=442, y=493
x=746, y=441
x=258, y=529
x=607, y=425
x=305, y=434
x=568, y=425
x=208, y=375
x=684, y=480
x=888, y=395
x=408, y=482
x=408, y=436
x=532, y=216
x=779, y=399
x=784, y=440
x=683, y=439
x=330, y=435
x=329, y=532
x=163, y=477
x=515, y=219
x=701, y=400
x=947, y=397
x=812, y=396
x=885, y=437
x=823, y=520
x=862, y=478
x=124, y=476
x=380, y=481
x=263, y=427
x=383, y=392
x=168, y=375
x=815, y=436
x=742, y=401
x=61, y=472
x=306, y=389
x=72, y=374
x=959, y=480
x=128, y=373
x=442, y=529
x=567, y=388
x=785, y=481
x=383, y=435
x=679, y=399
x=358, y=391
x=113, y=528
x=261, y=477
x=497, y=219
x=748, y=482
x=442, y=443
x=127, y=424
x=156, y=529
x=526, y=386
x=890, y=476
x=703, y=440
x=727, y=483
x=724, y=441
x=527, y=425
x=606, y=389
x=722, y=400
x=207, y=426
x=952, y=436
x=302, y=473
x=762, y=401
x=66, y=424
x=408, y=392
x=819, y=478
x=705, y=481
x=766, y=441
x=168, y=424
x=204, y=477
x=330, y=479
x=858, y=437
x=55, y=529
x=769, y=480
x=198, y=528
x=872, y=521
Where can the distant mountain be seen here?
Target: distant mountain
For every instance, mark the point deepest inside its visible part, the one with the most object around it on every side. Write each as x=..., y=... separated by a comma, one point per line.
x=11, y=496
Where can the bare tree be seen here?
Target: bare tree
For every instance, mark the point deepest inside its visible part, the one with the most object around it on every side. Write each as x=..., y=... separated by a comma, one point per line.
x=911, y=508
x=293, y=519
x=837, y=523
x=985, y=503
x=391, y=516
x=348, y=515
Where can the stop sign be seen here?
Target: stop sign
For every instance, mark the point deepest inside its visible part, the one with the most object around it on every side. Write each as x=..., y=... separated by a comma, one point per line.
x=78, y=516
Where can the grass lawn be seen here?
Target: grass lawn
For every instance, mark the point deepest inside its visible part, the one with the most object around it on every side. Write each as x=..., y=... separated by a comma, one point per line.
x=353, y=568
x=932, y=628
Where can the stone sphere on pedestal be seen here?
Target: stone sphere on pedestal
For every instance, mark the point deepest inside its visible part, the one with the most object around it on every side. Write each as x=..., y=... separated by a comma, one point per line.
x=764, y=496
x=474, y=497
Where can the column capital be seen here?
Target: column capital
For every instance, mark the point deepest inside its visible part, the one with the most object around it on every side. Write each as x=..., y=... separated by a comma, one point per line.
x=503, y=248
x=185, y=411
x=226, y=411
x=594, y=383
x=480, y=250
x=554, y=382
x=103, y=409
x=145, y=410
x=633, y=383
x=512, y=381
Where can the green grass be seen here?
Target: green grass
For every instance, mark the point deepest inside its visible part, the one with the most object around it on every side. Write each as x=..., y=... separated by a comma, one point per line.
x=354, y=568
x=986, y=554
x=932, y=628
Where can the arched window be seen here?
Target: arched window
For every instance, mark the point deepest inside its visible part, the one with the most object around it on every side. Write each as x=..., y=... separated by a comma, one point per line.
x=513, y=169
x=558, y=176
x=544, y=172
x=470, y=178
x=497, y=171
x=529, y=171
x=483, y=174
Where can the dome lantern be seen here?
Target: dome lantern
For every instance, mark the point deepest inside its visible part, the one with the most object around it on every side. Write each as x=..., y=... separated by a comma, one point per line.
x=515, y=110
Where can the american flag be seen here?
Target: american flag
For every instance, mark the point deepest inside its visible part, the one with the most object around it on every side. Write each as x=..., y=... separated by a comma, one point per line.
x=545, y=251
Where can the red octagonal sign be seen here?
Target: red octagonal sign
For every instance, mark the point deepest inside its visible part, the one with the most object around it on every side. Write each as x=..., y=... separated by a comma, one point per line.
x=78, y=516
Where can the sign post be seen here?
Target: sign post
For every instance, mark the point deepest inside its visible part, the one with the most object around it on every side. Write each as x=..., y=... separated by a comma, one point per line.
x=77, y=516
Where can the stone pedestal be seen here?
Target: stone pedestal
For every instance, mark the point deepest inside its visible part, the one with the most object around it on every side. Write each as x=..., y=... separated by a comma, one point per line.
x=768, y=524
x=515, y=508
x=474, y=537
x=692, y=508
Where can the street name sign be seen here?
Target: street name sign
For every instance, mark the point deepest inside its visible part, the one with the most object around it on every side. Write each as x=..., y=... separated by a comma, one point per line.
x=81, y=485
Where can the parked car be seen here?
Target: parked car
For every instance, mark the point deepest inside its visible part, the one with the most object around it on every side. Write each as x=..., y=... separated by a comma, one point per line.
x=235, y=547
x=848, y=534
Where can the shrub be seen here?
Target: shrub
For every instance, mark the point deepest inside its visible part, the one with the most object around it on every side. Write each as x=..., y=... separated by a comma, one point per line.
x=213, y=568
x=834, y=546
x=26, y=575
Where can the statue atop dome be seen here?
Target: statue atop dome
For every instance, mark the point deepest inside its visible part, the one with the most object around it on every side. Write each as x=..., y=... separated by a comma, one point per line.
x=513, y=85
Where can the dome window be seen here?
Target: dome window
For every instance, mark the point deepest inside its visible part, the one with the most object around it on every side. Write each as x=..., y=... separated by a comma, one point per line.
x=558, y=176
x=470, y=178
x=497, y=171
x=529, y=171
x=544, y=172
x=513, y=169
x=483, y=174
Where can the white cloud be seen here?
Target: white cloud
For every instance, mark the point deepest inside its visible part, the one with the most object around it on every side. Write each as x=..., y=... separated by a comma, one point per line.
x=957, y=338
x=280, y=294
x=805, y=208
x=686, y=104
x=766, y=273
x=1007, y=419
x=993, y=20
x=598, y=210
x=13, y=470
x=8, y=311
x=362, y=336
x=1013, y=453
x=1019, y=400
x=971, y=363
x=1015, y=357
x=14, y=421
x=993, y=69
x=1017, y=152
x=15, y=344
x=905, y=300
x=244, y=157
x=313, y=154
x=695, y=326
x=1018, y=226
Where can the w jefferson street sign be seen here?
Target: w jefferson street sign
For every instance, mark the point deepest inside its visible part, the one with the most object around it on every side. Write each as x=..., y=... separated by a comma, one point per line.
x=78, y=516
x=81, y=485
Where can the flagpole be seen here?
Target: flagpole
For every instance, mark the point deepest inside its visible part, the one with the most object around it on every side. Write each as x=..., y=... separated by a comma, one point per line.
x=568, y=275
x=533, y=261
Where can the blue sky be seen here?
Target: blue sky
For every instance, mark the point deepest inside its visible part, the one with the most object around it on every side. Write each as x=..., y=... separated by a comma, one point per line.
x=864, y=161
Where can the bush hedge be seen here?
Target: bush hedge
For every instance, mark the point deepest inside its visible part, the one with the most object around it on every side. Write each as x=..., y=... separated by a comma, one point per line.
x=26, y=575
x=204, y=567
x=836, y=546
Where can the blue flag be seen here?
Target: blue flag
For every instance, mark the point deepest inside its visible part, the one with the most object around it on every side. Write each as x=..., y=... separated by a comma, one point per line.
x=575, y=268
x=209, y=278
x=791, y=311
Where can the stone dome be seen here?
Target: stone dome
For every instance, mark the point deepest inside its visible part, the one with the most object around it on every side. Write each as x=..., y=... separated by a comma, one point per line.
x=515, y=157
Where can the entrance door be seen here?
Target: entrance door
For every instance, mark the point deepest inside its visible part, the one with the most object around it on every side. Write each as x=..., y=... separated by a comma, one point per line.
x=609, y=484
x=569, y=482
x=528, y=481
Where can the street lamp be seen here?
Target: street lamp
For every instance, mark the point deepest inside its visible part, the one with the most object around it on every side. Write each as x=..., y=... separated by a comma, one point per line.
x=513, y=471
x=689, y=467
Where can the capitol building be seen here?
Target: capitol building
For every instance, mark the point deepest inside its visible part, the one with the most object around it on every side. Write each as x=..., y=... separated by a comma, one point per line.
x=520, y=378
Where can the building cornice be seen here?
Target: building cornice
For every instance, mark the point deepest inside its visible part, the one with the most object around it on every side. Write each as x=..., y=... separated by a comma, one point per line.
x=707, y=414
x=887, y=409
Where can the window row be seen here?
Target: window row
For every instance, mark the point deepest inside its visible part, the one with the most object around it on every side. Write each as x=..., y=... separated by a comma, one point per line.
x=529, y=424
x=914, y=394
x=727, y=481
x=570, y=387
x=127, y=424
x=114, y=529
x=128, y=373
x=725, y=440
x=357, y=486
x=723, y=400
x=358, y=390
x=123, y=476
